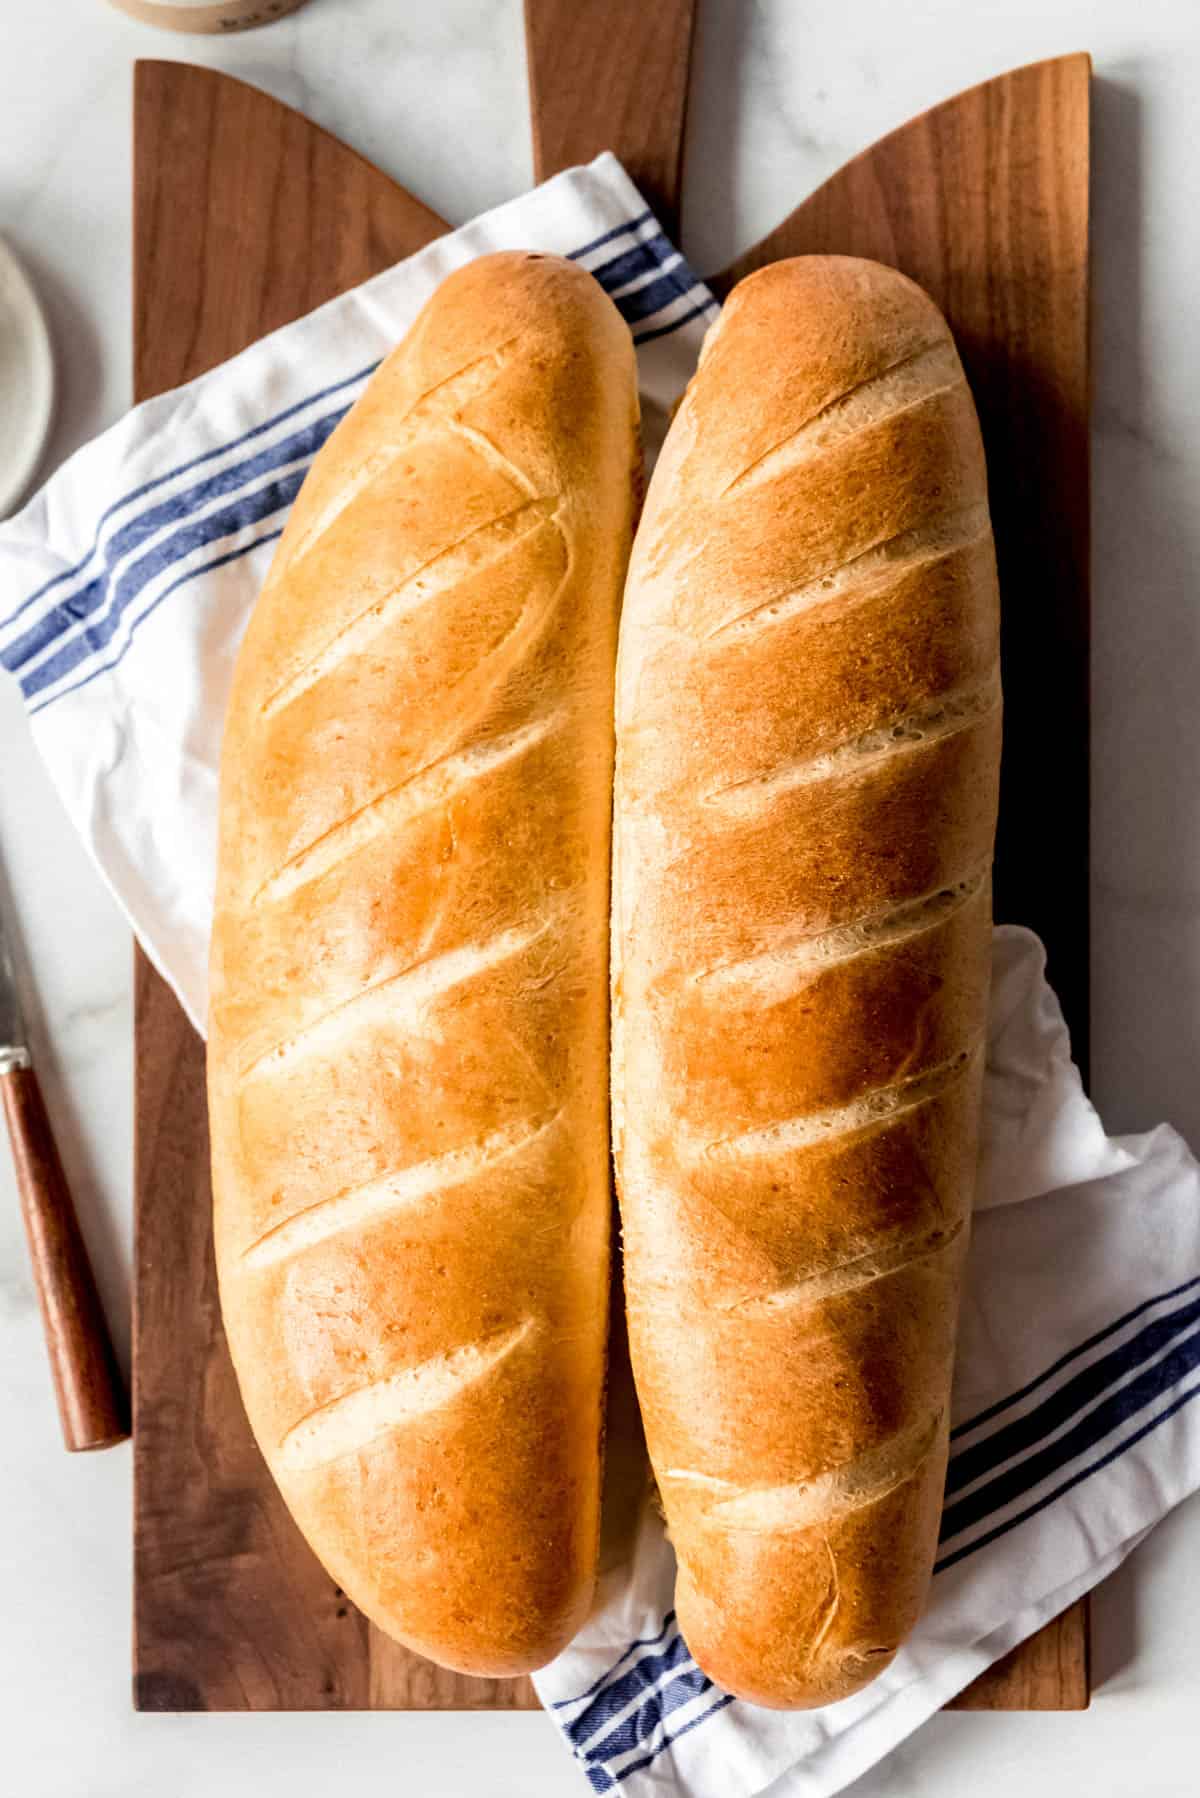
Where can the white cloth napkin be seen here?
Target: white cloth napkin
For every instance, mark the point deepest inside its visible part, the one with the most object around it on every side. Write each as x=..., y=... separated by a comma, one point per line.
x=126, y=582
x=124, y=589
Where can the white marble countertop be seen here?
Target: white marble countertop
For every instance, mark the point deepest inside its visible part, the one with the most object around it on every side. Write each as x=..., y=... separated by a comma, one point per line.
x=782, y=94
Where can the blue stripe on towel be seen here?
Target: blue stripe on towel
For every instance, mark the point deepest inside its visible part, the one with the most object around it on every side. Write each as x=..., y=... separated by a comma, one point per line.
x=1084, y=1473
x=704, y=305
x=602, y=1776
x=652, y=252
x=222, y=449
x=104, y=598
x=692, y=1723
x=602, y=1742
x=656, y=296
x=1014, y=1398
x=1090, y=1430
x=615, y=1696
x=238, y=515
x=632, y=224
x=559, y=1704
x=640, y=1725
x=1024, y=1432
x=231, y=555
x=653, y=296
x=106, y=601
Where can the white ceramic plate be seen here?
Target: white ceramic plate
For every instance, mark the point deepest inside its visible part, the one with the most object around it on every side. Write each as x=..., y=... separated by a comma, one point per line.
x=26, y=382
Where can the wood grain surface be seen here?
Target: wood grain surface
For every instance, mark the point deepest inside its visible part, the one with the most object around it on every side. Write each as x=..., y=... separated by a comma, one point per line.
x=1048, y=1672
x=246, y=215
x=612, y=75
x=92, y=1406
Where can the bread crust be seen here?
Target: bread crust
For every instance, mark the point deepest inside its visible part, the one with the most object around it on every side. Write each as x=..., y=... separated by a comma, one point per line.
x=808, y=739
x=408, y=1027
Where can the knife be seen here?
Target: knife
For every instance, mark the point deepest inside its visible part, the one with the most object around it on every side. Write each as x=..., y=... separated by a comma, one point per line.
x=91, y=1397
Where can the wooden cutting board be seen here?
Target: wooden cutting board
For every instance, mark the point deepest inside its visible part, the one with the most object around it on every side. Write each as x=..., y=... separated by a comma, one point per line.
x=245, y=216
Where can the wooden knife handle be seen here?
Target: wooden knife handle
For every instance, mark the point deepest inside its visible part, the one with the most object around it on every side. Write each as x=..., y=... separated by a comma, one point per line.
x=612, y=75
x=87, y=1382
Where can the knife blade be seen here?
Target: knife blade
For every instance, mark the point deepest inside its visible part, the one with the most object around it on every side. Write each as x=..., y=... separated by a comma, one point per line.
x=14, y=1042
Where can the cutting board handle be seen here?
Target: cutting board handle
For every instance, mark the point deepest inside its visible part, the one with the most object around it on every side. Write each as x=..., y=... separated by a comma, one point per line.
x=612, y=75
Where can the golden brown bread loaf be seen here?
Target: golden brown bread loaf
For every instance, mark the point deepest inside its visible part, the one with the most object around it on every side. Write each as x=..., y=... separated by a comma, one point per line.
x=408, y=1031
x=808, y=735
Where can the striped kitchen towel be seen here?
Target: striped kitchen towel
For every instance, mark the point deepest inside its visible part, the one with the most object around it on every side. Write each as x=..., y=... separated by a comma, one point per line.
x=124, y=589
x=126, y=582
x=1074, y=1432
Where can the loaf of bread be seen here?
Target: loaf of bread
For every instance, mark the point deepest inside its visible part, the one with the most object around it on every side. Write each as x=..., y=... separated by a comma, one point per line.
x=408, y=1067
x=808, y=739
